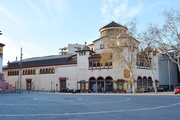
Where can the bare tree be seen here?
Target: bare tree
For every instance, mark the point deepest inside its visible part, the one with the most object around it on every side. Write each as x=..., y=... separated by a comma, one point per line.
x=122, y=50
x=149, y=57
x=166, y=36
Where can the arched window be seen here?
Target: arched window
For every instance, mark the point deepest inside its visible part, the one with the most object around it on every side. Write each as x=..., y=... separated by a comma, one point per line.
x=47, y=71
x=44, y=71
x=40, y=71
x=34, y=71
x=145, y=82
x=29, y=72
x=26, y=72
x=139, y=82
x=53, y=70
x=11, y=73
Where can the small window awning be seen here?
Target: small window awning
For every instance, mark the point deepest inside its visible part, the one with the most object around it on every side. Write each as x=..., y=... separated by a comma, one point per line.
x=28, y=79
x=63, y=78
x=82, y=81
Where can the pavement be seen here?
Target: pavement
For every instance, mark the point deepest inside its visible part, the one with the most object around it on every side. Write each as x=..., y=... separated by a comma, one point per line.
x=168, y=93
x=89, y=106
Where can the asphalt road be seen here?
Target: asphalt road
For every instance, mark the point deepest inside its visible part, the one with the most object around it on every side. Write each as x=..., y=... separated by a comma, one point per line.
x=44, y=106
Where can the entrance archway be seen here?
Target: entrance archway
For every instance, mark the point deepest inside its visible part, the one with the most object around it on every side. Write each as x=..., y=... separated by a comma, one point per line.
x=145, y=82
x=109, y=84
x=28, y=84
x=82, y=85
x=139, y=82
x=92, y=84
x=150, y=82
x=100, y=83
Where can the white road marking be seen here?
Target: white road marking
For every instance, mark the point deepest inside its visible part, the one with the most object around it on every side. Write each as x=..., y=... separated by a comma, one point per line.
x=88, y=113
x=127, y=99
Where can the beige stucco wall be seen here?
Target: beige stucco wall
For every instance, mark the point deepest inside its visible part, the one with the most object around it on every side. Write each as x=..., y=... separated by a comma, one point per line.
x=75, y=73
x=43, y=81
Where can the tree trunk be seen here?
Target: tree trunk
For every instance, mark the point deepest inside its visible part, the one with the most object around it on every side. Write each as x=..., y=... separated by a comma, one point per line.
x=133, y=87
x=154, y=83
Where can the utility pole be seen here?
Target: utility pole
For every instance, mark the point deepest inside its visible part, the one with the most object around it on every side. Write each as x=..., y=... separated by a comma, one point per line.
x=21, y=71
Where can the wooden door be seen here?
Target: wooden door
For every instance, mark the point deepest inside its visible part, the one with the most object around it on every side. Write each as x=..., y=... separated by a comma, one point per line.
x=62, y=84
x=28, y=85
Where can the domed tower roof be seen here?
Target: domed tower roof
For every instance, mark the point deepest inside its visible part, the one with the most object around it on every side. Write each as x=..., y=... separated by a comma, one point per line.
x=85, y=48
x=149, y=48
x=112, y=29
x=112, y=24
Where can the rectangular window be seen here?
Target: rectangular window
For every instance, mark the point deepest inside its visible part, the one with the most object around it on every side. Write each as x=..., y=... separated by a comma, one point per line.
x=107, y=64
x=94, y=63
x=101, y=46
x=110, y=63
x=90, y=63
x=98, y=63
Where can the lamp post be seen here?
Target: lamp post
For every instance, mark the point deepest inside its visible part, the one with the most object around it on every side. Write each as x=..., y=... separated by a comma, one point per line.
x=21, y=71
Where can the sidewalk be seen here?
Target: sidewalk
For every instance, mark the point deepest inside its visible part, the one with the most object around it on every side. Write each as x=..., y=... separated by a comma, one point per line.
x=171, y=93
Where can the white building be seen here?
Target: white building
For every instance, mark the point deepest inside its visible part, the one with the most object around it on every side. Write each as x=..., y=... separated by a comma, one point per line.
x=82, y=69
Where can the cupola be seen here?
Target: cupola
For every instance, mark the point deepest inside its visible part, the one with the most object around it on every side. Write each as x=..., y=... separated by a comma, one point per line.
x=112, y=29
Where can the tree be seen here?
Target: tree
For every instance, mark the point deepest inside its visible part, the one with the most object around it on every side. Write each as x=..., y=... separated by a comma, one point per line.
x=166, y=37
x=149, y=57
x=122, y=50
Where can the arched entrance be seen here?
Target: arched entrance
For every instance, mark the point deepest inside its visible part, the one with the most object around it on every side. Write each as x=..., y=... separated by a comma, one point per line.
x=82, y=85
x=150, y=82
x=120, y=85
x=139, y=82
x=92, y=84
x=145, y=82
x=28, y=84
x=100, y=83
x=109, y=84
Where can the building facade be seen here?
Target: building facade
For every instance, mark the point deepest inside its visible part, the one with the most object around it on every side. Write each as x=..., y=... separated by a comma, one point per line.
x=83, y=68
x=4, y=86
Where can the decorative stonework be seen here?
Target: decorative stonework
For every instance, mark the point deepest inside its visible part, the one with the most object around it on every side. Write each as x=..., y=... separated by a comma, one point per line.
x=126, y=73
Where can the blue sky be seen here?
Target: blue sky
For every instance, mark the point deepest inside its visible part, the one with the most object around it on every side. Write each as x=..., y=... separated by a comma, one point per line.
x=41, y=27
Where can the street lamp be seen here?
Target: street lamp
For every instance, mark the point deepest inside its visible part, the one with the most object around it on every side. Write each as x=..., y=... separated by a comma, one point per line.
x=21, y=71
